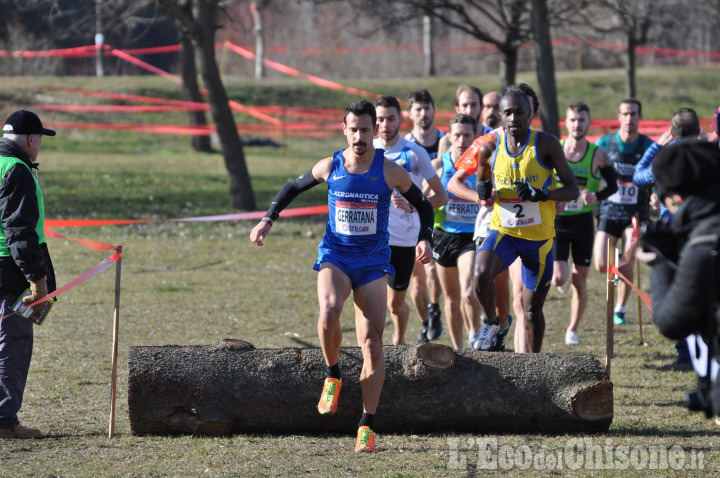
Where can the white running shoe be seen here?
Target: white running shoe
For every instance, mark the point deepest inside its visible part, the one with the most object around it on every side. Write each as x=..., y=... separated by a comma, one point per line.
x=474, y=340
x=486, y=335
x=565, y=287
x=571, y=338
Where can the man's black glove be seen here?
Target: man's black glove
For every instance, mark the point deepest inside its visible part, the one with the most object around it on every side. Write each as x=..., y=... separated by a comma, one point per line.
x=484, y=188
x=529, y=193
x=659, y=238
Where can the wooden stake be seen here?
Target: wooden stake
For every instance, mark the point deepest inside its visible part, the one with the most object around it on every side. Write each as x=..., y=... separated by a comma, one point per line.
x=609, y=324
x=639, y=299
x=116, y=324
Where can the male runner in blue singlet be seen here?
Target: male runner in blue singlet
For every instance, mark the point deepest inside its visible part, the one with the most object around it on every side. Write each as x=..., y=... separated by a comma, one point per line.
x=354, y=254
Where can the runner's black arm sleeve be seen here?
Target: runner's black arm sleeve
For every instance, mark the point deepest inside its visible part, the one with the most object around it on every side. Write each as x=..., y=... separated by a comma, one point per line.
x=610, y=177
x=289, y=192
x=425, y=211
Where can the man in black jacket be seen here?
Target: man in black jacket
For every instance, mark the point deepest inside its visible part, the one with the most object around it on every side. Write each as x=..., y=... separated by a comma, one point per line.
x=24, y=260
x=683, y=277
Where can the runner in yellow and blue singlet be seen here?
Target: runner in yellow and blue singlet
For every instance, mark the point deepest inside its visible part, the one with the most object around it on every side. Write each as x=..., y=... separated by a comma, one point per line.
x=523, y=218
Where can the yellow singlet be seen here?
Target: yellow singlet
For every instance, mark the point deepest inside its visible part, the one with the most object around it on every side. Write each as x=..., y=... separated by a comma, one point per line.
x=534, y=221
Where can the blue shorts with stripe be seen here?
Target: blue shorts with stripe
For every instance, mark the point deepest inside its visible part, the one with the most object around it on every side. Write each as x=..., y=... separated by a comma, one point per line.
x=361, y=269
x=536, y=256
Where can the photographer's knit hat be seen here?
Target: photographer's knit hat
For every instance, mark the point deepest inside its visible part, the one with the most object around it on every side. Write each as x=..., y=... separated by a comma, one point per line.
x=686, y=167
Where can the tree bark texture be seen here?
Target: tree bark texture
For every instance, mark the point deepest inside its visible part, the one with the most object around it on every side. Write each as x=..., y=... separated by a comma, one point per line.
x=508, y=66
x=428, y=54
x=231, y=387
x=199, y=22
x=630, y=67
x=259, y=40
x=545, y=68
x=241, y=192
x=191, y=92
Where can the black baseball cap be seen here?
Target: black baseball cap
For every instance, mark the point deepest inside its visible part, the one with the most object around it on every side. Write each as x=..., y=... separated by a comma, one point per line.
x=25, y=122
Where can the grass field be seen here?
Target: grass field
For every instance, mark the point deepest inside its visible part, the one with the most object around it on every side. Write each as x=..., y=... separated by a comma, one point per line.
x=197, y=283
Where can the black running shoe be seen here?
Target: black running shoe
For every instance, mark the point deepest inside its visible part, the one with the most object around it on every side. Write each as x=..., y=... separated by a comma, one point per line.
x=434, y=328
x=422, y=338
x=501, y=337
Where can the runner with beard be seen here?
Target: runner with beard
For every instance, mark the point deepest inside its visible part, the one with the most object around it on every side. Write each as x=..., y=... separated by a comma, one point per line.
x=574, y=220
x=404, y=220
x=421, y=109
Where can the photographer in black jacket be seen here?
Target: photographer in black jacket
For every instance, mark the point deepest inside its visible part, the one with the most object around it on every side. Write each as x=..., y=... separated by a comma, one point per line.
x=684, y=277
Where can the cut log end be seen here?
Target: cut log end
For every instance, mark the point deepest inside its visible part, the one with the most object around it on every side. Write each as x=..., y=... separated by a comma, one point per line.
x=437, y=355
x=594, y=402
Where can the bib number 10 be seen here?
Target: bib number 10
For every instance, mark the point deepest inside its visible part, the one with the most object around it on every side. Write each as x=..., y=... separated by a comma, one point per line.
x=627, y=193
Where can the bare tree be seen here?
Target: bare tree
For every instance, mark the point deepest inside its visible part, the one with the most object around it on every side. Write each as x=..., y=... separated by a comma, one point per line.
x=545, y=67
x=199, y=22
x=259, y=39
x=632, y=20
x=428, y=54
x=191, y=88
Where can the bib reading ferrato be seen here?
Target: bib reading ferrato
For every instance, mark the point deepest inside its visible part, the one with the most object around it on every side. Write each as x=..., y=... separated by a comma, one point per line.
x=627, y=193
x=461, y=211
x=518, y=213
x=355, y=218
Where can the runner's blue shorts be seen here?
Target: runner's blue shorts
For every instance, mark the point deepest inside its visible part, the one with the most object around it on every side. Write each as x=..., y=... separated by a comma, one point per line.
x=361, y=269
x=536, y=256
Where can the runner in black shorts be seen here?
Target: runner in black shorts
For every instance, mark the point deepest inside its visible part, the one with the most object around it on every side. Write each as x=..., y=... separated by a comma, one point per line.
x=453, y=238
x=403, y=260
x=624, y=148
x=574, y=234
x=574, y=228
x=448, y=247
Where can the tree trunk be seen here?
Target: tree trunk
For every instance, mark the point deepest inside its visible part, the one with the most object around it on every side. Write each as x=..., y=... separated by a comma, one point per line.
x=259, y=40
x=508, y=66
x=241, y=192
x=99, y=41
x=545, y=68
x=191, y=92
x=428, y=54
x=231, y=387
x=630, y=67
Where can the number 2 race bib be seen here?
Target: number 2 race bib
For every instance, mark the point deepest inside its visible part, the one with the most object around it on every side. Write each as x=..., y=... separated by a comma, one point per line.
x=518, y=213
x=355, y=218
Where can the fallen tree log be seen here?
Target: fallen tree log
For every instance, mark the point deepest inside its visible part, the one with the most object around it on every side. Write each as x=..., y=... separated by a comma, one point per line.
x=231, y=387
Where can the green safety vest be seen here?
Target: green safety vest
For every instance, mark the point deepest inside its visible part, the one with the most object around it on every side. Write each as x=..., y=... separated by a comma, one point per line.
x=6, y=164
